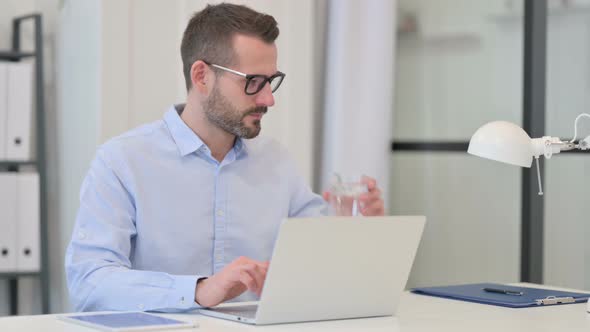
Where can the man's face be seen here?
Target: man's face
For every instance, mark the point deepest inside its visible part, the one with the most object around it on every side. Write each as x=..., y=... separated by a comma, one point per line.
x=228, y=106
x=220, y=112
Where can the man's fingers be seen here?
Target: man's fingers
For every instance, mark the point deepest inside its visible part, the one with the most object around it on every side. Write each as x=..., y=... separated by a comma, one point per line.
x=375, y=209
x=261, y=277
x=368, y=199
x=263, y=265
x=250, y=273
x=371, y=201
x=369, y=181
x=258, y=266
x=256, y=273
x=245, y=260
x=246, y=279
x=376, y=193
x=240, y=275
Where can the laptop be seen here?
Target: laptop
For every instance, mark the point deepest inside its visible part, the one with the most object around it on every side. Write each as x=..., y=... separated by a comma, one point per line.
x=333, y=268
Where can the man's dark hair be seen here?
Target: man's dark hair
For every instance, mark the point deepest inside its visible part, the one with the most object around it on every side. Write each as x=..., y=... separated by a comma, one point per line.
x=209, y=33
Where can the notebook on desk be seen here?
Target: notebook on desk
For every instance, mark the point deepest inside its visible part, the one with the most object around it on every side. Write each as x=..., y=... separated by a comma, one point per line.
x=504, y=295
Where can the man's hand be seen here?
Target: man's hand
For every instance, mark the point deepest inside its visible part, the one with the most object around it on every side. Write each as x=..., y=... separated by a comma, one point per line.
x=239, y=276
x=371, y=202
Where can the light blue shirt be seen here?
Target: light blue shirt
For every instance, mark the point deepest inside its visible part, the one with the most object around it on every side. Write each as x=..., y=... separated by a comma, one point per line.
x=158, y=212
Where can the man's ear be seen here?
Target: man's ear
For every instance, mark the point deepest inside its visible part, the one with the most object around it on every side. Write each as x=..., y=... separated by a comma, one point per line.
x=200, y=76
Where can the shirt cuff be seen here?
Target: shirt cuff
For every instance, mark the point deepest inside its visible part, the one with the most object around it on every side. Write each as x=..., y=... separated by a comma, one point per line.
x=183, y=292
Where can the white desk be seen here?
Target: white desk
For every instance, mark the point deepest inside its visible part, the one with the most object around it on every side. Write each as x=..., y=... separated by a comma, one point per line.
x=416, y=313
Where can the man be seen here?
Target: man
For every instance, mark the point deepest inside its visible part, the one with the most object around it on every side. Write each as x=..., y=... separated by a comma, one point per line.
x=184, y=212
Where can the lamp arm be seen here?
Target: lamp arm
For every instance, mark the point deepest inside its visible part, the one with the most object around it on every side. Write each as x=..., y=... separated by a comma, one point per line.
x=576, y=126
x=548, y=146
x=565, y=146
x=584, y=144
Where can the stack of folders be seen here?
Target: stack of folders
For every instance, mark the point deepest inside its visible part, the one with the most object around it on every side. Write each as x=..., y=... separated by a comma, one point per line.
x=19, y=222
x=19, y=191
x=16, y=111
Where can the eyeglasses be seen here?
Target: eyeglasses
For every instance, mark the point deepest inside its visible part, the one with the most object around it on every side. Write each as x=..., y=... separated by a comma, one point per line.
x=255, y=82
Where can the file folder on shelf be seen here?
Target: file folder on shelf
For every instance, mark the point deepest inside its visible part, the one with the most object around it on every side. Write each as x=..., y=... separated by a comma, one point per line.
x=8, y=222
x=28, y=256
x=529, y=297
x=3, y=107
x=19, y=222
x=19, y=111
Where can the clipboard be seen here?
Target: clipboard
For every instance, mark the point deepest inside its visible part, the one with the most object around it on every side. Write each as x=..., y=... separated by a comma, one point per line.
x=529, y=297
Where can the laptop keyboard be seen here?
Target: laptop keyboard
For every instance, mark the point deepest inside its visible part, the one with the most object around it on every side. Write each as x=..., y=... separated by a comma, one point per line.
x=248, y=311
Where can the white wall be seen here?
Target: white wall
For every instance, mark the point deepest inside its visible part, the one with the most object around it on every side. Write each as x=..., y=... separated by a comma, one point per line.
x=461, y=68
x=357, y=131
x=142, y=69
x=567, y=226
x=79, y=103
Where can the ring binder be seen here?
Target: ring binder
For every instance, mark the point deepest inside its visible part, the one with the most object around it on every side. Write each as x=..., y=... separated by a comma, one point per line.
x=549, y=300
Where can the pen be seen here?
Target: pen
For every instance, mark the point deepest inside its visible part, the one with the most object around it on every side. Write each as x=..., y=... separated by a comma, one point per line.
x=503, y=291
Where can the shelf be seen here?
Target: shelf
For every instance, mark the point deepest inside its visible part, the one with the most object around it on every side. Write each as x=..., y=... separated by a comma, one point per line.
x=17, y=163
x=11, y=275
x=15, y=56
x=518, y=15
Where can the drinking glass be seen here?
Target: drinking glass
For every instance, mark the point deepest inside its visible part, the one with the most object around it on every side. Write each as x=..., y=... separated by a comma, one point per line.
x=344, y=196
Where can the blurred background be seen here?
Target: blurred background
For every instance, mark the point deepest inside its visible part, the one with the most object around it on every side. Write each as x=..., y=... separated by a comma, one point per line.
x=392, y=89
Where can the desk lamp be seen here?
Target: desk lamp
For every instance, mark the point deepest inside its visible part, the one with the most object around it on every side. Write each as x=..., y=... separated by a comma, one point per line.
x=506, y=142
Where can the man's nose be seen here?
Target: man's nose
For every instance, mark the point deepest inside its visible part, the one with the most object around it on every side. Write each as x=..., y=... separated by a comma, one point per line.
x=265, y=97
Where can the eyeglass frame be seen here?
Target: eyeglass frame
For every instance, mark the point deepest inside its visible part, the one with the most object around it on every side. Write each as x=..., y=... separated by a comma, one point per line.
x=249, y=77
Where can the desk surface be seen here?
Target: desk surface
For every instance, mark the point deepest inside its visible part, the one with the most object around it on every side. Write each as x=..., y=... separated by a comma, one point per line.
x=415, y=313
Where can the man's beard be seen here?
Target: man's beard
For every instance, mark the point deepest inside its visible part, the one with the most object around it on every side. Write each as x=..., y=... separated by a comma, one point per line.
x=220, y=112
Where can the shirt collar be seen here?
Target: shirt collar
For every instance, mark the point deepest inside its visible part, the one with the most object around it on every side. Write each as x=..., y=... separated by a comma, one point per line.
x=239, y=147
x=185, y=138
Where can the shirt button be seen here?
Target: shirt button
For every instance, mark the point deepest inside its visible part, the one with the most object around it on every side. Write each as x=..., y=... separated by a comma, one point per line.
x=81, y=235
x=220, y=213
x=141, y=306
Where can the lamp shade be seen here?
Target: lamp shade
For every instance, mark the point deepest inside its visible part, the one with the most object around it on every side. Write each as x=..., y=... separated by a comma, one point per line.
x=502, y=141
